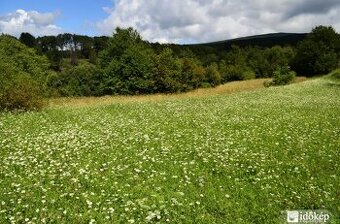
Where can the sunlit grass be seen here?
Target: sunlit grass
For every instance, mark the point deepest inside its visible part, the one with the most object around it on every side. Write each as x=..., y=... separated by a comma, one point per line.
x=215, y=158
x=232, y=87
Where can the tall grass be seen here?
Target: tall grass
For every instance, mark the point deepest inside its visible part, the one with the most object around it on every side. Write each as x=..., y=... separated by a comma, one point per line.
x=229, y=88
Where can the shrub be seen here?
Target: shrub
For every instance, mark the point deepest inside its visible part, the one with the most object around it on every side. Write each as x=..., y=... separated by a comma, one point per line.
x=237, y=72
x=335, y=74
x=19, y=91
x=212, y=75
x=127, y=64
x=282, y=76
x=192, y=73
x=85, y=79
x=131, y=73
x=22, y=76
x=167, y=72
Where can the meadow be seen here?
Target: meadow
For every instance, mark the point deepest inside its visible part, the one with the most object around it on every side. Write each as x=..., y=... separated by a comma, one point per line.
x=203, y=158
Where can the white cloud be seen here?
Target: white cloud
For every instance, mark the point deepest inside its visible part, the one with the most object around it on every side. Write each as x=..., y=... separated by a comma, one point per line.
x=210, y=20
x=36, y=23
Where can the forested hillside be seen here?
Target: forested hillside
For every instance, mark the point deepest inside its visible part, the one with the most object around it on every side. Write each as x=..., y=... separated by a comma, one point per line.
x=264, y=40
x=76, y=65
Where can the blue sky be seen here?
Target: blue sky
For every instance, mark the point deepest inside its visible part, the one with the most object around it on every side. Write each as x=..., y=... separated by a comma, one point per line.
x=178, y=21
x=73, y=16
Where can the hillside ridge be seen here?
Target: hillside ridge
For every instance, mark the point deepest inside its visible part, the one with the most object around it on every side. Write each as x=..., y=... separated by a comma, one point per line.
x=264, y=40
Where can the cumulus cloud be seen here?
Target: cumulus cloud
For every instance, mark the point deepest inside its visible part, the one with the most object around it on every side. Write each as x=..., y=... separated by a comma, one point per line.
x=210, y=20
x=32, y=21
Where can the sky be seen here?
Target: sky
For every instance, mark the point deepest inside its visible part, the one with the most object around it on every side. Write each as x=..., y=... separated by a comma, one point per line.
x=175, y=21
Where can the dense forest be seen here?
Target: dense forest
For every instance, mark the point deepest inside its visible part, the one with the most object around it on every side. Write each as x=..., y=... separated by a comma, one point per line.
x=76, y=65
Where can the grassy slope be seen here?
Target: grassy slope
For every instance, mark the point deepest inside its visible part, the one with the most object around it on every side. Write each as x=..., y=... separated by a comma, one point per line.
x=240, y=158
x=229, y=88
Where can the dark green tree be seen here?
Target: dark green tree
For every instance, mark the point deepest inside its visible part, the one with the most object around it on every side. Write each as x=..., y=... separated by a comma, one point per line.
x=28, y=39
x=212, y=75
x=318, y=53
x=85, y=79
x=257, y=62
x=277, y=57
x=127, y=63
x=193, y=74
x=167, y=72
x=48, y=45
x=100, y=43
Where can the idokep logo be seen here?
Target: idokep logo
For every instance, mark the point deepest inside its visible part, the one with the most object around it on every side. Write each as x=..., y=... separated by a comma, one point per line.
x=292, y=216
x=308, y=216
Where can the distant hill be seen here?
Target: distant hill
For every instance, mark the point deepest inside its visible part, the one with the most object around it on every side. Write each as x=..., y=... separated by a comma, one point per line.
x=264, y=40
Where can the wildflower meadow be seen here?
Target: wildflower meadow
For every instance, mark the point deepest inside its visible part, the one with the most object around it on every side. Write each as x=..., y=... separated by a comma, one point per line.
x=226, y=158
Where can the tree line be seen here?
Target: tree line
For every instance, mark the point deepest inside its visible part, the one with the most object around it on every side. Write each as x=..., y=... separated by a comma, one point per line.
x=77, y=65
x=66, y=45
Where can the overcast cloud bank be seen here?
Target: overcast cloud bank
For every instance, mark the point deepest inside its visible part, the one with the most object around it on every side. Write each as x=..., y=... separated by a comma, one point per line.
x=210, y=20
x=184, y=21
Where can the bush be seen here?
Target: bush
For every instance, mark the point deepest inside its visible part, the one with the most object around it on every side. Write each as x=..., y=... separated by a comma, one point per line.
x=22, y=76
x=85, y=79
x=167, y=72
x=335, y=74
x=237, y=72
x=192, y=74
x=212, y=75
x=127, y=64
x=131, y=73
x=282, y=76
x=18, y=91
x=267, y=83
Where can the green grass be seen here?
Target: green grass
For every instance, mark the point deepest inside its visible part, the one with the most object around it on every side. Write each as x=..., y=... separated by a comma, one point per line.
x=226, y=158
x=335, y=74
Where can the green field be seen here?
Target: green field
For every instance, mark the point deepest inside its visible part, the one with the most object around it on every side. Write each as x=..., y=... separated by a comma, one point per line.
x=226, y=158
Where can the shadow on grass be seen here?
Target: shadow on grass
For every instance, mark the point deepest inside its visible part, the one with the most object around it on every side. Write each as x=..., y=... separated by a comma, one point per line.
x=333, y=84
